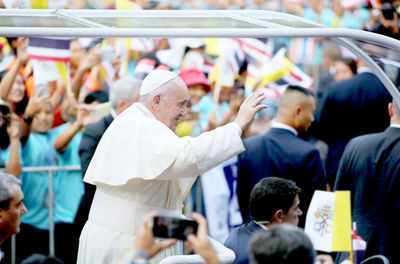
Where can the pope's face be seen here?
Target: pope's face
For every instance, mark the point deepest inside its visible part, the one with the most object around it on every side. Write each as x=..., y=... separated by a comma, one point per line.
x=174, y=105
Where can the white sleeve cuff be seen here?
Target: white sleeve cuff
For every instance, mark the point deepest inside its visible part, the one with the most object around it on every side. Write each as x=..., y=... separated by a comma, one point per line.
x=237, y=127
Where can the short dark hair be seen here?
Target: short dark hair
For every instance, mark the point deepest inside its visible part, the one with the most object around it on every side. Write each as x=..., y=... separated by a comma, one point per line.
x=270, y=195
x=299, y=89
x=283, y=244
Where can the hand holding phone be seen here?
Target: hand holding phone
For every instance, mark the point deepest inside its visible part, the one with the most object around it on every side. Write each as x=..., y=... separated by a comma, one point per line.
x=145, y=238
x=173, y=227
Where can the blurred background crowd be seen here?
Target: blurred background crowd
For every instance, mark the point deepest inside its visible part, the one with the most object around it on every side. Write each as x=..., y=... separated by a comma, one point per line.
x=57, y=97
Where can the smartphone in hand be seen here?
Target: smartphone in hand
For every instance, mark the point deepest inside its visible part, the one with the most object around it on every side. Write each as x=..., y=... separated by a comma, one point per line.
x=173, y=227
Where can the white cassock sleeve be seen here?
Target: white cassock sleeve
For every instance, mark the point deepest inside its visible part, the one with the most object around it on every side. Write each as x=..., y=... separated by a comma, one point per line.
x=136, y=146
x=206, y=151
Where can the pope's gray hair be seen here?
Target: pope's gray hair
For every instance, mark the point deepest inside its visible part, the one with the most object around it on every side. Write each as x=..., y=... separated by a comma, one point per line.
x=124, y=89
x=6, y=181
x=163, y=90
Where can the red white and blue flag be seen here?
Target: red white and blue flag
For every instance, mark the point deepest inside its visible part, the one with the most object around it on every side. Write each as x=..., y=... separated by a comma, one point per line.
x=50, y=49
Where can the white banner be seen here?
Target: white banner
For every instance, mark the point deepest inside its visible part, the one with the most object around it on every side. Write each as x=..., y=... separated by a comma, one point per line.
x=220, y=200
x=44, y=72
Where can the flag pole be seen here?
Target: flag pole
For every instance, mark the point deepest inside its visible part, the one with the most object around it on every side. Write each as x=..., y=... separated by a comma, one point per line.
x=353, y=257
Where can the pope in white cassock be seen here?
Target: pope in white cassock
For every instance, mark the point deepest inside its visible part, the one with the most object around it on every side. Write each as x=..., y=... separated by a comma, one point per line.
x=141, y=166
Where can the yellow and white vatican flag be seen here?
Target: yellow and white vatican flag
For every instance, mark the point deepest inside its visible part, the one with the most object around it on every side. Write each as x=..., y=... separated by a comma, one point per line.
x=328, y=221
x=280, y=72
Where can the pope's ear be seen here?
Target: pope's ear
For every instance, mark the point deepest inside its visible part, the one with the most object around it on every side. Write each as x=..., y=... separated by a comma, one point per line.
x=157, y=99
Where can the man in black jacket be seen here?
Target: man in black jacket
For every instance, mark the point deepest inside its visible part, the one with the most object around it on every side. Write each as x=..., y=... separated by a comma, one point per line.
x=370, y=169
x=273, y=200
x=281, y=153
x=351, y=108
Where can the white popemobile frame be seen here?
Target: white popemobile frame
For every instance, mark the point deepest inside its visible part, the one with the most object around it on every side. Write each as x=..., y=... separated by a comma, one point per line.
x=185, y=24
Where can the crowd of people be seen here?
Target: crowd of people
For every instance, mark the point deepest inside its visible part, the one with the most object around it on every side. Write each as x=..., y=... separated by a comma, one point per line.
x=306, y=139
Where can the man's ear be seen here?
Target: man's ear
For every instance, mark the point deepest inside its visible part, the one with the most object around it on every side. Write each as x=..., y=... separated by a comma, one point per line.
x=295, y=115
x=390, y=108
x=120, y=104
x=278, y=217
x=297, y=110
x=156, y=100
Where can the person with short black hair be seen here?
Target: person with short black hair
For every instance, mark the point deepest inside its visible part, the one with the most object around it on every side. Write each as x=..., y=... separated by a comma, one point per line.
x=281, y=153
x=273, y=200
x=370, y=169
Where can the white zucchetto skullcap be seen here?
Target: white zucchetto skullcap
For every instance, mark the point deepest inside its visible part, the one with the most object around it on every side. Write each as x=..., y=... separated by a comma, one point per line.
x=155, y=80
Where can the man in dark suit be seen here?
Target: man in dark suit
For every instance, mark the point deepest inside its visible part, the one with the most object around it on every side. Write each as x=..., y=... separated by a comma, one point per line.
x=123, y=93
x=273, y=200
x=279, y=152
x=370, y=169
x=351, y=108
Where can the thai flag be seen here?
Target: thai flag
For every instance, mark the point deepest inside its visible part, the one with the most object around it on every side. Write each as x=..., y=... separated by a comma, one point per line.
x=50, y=49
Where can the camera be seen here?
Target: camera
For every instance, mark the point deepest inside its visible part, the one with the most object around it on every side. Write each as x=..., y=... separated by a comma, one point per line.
x=173, y=227
x=388, y=11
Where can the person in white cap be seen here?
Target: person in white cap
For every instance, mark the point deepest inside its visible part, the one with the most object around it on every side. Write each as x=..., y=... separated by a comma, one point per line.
x=141, y=166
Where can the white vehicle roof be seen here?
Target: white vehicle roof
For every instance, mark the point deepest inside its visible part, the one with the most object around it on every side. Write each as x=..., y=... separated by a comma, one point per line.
x=197, y=24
